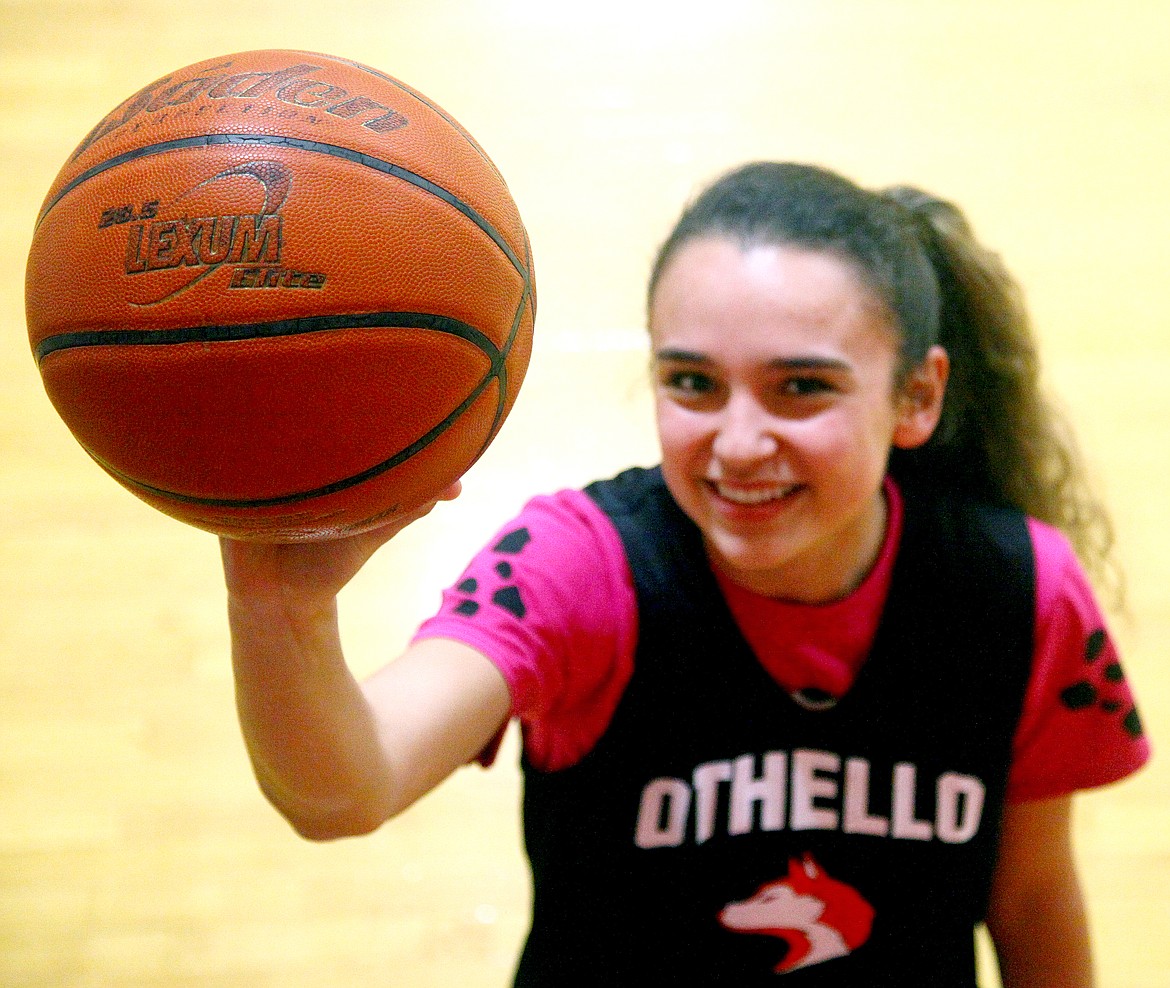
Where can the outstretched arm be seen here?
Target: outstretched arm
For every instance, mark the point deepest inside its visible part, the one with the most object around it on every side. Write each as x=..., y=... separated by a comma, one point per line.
x=337, y=757
x=1037, y=914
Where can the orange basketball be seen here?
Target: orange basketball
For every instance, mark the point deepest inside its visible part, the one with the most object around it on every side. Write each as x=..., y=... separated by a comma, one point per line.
x=280, y=295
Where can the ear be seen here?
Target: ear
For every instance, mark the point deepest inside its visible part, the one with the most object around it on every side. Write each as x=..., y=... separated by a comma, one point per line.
x=920, y=400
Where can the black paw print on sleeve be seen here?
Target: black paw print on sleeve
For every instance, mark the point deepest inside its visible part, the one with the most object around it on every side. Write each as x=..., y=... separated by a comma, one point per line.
x=506, y=595
x=1103, y=686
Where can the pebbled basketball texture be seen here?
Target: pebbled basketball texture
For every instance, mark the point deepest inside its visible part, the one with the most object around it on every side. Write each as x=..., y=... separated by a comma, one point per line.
x=280, y=295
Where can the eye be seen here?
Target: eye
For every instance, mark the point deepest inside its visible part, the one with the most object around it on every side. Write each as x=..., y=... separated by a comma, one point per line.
x=806, y=386
x=688, y=382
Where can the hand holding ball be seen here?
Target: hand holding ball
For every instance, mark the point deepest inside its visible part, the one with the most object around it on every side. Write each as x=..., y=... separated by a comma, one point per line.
x=280, y=295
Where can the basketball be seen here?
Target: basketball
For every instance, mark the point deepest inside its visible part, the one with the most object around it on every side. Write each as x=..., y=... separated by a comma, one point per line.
x=280, y=295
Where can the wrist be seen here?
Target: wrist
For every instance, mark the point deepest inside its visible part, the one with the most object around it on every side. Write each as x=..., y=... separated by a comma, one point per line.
x=294, y=628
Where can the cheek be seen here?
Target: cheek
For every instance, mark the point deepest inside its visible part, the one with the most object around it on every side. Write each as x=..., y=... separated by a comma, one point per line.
x=680, y=433
x=824, y=441
x=845, y=446
x=680, y=438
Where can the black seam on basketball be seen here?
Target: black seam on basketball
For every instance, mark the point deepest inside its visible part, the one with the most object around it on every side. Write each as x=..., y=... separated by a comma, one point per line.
x=399, y=84
x=332, y=488
x=275, y=140
x=271, y=330
x=503, y=373
x=506, y=350
x=525, y=302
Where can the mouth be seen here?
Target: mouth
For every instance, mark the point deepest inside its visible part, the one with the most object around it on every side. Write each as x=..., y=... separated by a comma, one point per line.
x=755, y=495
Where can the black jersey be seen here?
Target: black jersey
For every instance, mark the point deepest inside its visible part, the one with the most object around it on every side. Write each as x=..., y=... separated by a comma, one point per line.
x=722, y=833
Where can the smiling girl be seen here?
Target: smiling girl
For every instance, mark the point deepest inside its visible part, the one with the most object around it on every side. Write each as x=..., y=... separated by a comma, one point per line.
x=841, y=630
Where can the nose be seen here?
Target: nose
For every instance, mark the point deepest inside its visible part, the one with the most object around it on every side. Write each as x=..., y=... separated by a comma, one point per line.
x=745, y=433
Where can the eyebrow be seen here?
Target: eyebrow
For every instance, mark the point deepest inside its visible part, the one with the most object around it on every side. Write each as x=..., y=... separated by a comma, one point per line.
x=681, y=356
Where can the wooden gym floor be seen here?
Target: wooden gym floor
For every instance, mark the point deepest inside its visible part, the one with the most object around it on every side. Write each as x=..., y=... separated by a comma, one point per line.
x=135, y=849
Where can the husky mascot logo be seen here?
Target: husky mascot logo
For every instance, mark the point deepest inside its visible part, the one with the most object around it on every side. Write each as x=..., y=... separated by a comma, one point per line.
x=818, y=917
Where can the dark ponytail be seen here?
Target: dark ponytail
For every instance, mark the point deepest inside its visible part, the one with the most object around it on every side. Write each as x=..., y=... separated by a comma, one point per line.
x=1000, y=437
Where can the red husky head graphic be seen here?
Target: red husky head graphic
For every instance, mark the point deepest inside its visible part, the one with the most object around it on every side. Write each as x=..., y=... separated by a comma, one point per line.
x=817, y=916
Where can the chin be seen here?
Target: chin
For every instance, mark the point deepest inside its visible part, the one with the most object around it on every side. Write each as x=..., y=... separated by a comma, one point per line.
x=749, y=565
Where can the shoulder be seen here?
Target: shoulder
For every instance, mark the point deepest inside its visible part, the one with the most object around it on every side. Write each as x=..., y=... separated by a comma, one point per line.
x=565, y=517
x=550, y=602
x=638, y=489
x=650, y=523
x=1060, y=579
x=976, y=559
x=975, y=532
x=1080, y=726
x=1068, y=614
x=559, y=549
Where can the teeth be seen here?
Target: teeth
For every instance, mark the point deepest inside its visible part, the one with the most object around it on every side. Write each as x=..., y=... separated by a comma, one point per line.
x=758, y=495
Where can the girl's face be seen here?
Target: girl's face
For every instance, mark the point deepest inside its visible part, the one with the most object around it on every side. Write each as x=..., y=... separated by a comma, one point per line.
x=775, y=380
